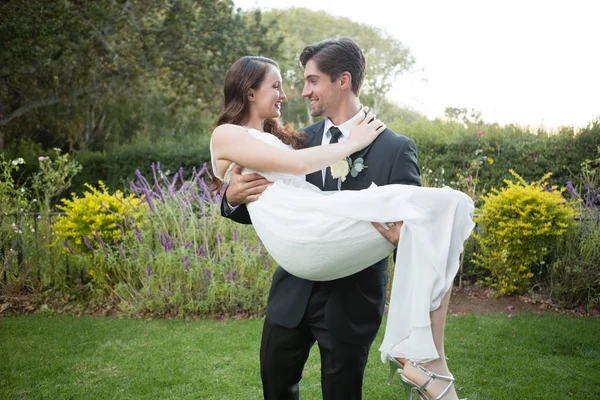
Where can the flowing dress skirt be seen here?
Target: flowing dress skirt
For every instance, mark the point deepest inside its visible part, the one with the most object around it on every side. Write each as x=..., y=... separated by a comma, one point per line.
x=323, y=236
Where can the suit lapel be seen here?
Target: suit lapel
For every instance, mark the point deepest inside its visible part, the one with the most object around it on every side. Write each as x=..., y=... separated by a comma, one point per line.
x=361, y=154
x=315, y=138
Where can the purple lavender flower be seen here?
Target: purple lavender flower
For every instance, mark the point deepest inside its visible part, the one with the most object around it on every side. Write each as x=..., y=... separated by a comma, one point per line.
x=107, y=209
x=172, y=185
x=101, y=241
x=143, y=182
x=187, y=266
x=71, y=249
x=202, y=171
x=220, y=237
x=230, y=276
x=135, y=256
x=87, y=243
x=236, y=235
x=156, y=183
x=184, y=258
x=127, y=222
x=118, y=199
x=201, y=252
x=208, y=274
x=571, y=189
x=268, y=266
x=121, y=229
x=149, y=271
x=135, y=189
x=188, y=244
x=138, y=233
x=148, y=198
x=206, y=190
x=120, y=249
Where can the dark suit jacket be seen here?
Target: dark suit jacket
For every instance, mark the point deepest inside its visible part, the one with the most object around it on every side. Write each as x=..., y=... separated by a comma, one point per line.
x=355, y=305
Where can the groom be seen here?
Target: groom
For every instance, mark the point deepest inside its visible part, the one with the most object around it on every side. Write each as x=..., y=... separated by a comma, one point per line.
x=344, y=315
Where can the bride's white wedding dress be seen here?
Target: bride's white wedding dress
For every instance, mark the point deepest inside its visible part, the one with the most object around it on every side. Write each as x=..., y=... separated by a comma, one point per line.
x=322, y=236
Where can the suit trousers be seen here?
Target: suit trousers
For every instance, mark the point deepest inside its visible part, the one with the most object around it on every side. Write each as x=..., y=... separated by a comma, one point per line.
x=284, y=351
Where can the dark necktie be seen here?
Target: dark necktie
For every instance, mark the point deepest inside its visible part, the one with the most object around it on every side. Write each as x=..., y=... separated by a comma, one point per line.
x=330, y=183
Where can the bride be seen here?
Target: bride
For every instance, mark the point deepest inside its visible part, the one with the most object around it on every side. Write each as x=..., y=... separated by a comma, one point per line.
x=323, y=236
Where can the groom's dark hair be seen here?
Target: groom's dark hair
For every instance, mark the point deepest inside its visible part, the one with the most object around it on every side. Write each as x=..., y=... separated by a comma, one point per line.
x=335, y=56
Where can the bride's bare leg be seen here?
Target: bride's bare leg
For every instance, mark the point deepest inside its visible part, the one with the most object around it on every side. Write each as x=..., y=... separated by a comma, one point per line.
x=439, y=366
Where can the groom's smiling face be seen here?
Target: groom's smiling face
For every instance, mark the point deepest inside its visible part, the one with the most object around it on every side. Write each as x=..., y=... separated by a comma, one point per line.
x=319, y=90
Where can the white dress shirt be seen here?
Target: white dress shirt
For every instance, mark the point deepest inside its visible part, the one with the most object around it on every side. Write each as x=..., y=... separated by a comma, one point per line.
x=344, y=128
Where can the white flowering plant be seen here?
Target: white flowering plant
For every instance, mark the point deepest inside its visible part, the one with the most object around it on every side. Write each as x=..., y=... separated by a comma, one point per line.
x=54, y=176
x=13, y=204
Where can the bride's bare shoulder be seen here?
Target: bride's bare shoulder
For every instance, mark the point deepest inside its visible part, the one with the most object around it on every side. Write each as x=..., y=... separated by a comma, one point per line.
x=230, y=128
x=227, y=130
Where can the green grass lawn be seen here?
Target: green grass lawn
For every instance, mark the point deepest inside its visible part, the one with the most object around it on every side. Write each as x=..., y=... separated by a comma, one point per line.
x=493, y=357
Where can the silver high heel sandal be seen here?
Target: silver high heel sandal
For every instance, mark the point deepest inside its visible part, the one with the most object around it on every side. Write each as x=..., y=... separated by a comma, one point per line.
x=421, y=391
x=395, y=367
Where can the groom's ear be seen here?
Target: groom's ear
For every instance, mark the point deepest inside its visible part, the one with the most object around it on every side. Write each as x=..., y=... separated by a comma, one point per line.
x=345, y=80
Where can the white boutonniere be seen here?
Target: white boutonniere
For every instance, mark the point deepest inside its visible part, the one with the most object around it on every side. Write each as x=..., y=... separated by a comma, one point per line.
x=342, y=168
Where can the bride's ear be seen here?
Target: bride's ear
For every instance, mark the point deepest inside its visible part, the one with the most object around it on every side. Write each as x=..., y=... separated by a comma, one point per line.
x=251, y=96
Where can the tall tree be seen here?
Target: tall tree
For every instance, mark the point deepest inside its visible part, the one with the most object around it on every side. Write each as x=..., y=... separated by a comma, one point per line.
x=68, y=67
x=386, y=56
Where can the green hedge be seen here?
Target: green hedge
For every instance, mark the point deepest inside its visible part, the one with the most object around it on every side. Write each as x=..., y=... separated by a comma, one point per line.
x=451, y=146
x=117, y=166
x=442, y=145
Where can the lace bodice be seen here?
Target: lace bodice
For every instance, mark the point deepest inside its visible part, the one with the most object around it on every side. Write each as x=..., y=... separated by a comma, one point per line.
x=272, y=176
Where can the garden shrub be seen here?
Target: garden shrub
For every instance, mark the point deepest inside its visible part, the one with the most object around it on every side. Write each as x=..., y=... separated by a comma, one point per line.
x=13, y=202
x=182, y=257
x=519, y=224
x=95, y=218
x=574, y=273
x=53, y=178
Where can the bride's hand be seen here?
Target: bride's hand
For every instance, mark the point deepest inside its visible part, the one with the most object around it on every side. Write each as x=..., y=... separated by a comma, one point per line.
x=366, y=131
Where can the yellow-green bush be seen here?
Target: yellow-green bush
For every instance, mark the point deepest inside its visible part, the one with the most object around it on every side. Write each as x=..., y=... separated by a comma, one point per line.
x=516, y=230
x=96, y=213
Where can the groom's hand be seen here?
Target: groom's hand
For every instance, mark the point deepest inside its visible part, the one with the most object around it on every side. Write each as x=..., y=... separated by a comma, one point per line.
x=392, y=234
x=245, y=188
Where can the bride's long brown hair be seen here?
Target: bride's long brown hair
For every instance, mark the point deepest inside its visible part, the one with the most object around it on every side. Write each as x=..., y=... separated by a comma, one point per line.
x=245, y=74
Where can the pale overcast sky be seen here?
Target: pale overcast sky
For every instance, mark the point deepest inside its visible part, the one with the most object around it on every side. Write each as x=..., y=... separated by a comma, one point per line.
x=530, y=62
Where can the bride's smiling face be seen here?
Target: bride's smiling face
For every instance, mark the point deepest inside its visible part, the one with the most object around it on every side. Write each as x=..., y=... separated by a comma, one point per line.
x=266, y=100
